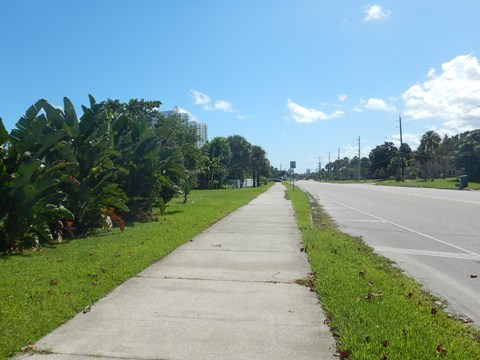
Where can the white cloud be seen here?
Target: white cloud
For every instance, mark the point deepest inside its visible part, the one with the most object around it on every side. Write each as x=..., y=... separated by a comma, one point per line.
x=190, y=115
x=242, y=117
x=223, y=105
x=342, y=97
x=302, y=114
x=350, y=151
x=378, y=104
x=452, y=96
x=376, y=13
x=205, y=101
x=411, y=139
x=200, y=98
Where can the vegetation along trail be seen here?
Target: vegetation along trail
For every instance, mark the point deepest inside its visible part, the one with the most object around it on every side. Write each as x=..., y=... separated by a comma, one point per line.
x=375, y=311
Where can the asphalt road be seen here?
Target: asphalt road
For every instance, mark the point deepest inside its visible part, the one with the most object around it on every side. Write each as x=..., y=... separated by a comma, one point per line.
x=433, y=235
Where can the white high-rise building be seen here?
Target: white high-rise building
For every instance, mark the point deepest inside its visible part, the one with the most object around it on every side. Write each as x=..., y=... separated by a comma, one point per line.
x=176, y=113
x=201, y=129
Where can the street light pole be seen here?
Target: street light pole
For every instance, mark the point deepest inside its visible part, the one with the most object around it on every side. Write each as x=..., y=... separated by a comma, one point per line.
x=401, y=149
x=293, y=165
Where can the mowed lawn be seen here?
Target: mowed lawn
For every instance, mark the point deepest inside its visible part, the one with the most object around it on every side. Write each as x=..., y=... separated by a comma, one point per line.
x=40, y=290
x=374, y=310
x=448, y=183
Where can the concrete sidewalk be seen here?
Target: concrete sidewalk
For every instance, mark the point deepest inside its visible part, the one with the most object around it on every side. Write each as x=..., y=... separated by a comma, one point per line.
x=230, y=293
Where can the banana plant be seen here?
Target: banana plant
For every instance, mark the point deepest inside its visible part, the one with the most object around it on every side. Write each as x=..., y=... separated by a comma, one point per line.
x=31, y=201
x=147, y=157
x=56, y=170
x=93, y=186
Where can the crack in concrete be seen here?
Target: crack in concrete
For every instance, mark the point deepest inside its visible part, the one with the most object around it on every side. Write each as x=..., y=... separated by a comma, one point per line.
x=276, y=281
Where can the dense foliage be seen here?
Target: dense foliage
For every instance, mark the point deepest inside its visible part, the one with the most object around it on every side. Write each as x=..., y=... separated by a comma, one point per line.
x=61, y=175
x=433, y=158
x=467, y=154
x=232, y=158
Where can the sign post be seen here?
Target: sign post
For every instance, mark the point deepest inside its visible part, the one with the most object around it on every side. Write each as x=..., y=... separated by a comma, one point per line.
x=293, y=165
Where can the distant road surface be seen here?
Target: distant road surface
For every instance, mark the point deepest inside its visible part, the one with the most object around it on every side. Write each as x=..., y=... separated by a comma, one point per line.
x=433, y=235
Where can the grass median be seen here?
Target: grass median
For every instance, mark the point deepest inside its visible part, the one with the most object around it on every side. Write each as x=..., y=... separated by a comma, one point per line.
x=42, y=289
x=439, y=183
x=375, y=311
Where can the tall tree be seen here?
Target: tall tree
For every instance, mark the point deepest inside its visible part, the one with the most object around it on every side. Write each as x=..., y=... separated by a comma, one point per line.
x=467, y=156
x=277, y=174
x=446, y=152
x=427, y=150
x=364, y=166
x=260, y=164
x=380, y=158
x=217, y=157
x=241, y=157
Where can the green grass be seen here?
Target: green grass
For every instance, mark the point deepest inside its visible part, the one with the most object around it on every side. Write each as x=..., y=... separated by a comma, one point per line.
x=375, y=311
x=448, y=183
x=40, y=290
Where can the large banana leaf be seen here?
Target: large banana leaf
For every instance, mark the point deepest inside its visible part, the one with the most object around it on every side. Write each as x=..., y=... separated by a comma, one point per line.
x=3, y=133
x=30, y=177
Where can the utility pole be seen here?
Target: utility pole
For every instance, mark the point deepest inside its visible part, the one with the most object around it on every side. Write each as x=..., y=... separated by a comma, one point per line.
x=338, y=163
x=319, y=166
x=359, y=165
x=401, y=149
x=329, y=166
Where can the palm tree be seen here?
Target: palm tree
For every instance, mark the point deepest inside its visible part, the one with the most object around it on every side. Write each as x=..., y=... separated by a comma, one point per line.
x=258, y=163
x=241, y=157
x=427, y=150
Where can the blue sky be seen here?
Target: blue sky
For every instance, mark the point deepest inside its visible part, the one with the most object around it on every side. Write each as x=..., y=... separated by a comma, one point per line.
x=300, y=78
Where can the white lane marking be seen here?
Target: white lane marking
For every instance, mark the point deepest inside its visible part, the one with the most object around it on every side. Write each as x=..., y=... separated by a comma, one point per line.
x=403, y=227
x=445, y=199
x=365, y=221
x=427, y=253
x=388, y=189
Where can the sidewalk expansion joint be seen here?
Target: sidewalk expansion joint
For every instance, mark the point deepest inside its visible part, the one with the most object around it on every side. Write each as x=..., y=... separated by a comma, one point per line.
x=289, y=232
x=216, y=248
x=98, y=356
x=273, y=281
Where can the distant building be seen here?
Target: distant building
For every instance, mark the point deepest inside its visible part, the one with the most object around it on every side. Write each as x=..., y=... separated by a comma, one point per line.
x=176, y=113
x=201, y=129
x=432, y=168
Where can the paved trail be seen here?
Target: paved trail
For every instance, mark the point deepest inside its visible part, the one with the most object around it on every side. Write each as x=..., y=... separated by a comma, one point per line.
x=228, y=294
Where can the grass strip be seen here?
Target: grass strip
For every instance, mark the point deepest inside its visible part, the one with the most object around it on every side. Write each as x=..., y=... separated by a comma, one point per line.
x=375, y=311
x=448, y=183
x=41, y=290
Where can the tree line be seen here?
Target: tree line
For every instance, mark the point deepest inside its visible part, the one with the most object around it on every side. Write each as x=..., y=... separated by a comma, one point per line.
x=61, y=175
x=232, y=157
x=432, y=159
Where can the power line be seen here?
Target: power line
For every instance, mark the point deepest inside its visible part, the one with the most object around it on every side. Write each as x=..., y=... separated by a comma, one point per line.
x=380, y=130
x=458, y=91
x=433, y=107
